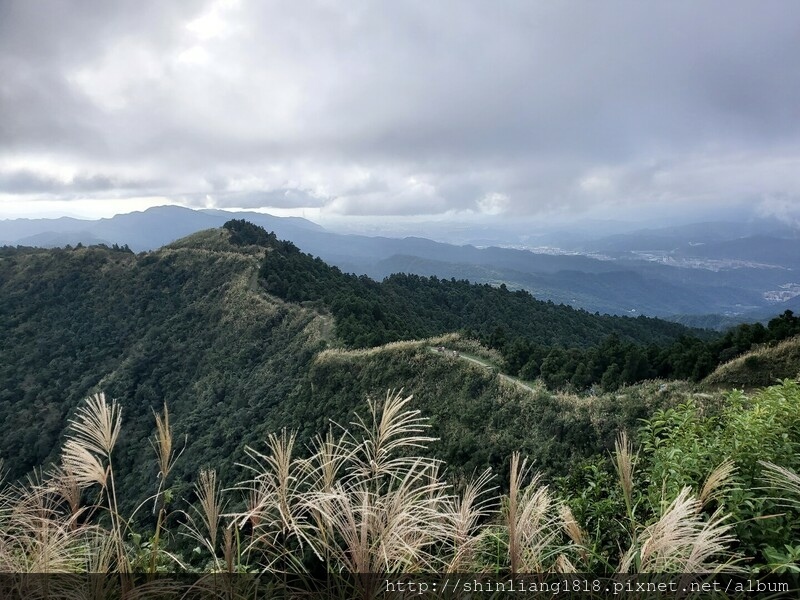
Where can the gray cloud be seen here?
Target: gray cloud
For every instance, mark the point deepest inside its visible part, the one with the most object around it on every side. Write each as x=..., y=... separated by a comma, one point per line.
x=282, y=198
x=24, y=182
x=512, y=108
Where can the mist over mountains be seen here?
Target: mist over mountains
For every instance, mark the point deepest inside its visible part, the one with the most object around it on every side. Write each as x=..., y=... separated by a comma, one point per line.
x=736, y=270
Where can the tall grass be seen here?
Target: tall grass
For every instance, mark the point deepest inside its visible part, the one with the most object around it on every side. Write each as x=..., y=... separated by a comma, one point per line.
x=361, y=499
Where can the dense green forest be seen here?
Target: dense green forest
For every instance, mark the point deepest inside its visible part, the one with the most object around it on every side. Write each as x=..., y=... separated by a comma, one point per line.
x=241, y=334
x=180, y=325
x=614, y=363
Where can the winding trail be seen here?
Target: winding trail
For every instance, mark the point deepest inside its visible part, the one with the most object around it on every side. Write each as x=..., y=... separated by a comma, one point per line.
x=488, y=366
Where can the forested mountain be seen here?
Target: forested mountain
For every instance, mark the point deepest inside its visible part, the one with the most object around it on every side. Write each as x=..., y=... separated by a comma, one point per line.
x=198, y=325
x=183, y=325
x=406, y=306
x=225, y=326
x=562, y=346
x=708, y=268
x=241, y=334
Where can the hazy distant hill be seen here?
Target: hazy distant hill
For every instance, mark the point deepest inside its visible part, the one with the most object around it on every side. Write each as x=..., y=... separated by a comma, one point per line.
x=686, y=236
x=761, y=248
x=615, y=291
x=700, y=269
x=50, y=239
x=146, y=230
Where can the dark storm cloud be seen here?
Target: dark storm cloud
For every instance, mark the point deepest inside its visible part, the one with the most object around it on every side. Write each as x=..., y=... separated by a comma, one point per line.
x=407, y=108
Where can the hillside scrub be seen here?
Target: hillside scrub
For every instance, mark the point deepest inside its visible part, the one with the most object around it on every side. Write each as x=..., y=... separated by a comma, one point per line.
x=762, y=366
x=682, y=445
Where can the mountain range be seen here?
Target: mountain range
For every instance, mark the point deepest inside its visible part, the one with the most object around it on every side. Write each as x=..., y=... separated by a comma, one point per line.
x=738, y=271
x=196, y=324
x=242, y=335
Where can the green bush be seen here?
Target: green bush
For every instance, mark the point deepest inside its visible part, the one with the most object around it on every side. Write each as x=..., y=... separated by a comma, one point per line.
x=683, y=444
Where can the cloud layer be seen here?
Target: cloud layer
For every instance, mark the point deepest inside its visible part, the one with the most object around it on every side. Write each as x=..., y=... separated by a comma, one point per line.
x=402, y=108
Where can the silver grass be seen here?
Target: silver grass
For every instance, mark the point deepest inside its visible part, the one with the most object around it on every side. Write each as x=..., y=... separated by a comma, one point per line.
x=682, y=541
x=716, y=481
x=783, y=479
x=466, y=511
x=209, y=512
x=532, y=531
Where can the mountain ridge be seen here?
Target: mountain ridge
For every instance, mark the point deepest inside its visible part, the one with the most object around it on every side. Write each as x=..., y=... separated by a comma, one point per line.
x=727, y=288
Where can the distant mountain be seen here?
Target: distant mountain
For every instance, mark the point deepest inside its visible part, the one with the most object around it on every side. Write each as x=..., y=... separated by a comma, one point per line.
x=52, y=239
x=720, y=268
x=763, y=249
x=686, y=236
x=145, y=230
x=613, y=292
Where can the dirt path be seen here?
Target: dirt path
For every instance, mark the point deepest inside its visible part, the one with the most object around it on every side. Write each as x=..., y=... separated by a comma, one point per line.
x=489, y=366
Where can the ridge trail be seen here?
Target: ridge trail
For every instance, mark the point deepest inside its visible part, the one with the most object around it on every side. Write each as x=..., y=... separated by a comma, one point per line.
x=486, y=365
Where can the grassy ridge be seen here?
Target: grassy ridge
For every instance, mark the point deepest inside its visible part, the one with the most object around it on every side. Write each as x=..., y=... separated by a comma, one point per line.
x=479, y=417
x=761, y=367
x=185, y=325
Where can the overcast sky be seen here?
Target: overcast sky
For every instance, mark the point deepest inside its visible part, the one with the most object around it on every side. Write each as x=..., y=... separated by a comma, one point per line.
x=374, y=109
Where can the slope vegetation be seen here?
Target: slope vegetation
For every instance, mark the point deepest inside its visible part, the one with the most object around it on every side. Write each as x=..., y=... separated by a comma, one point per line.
x=761, y=367
x=183, y=325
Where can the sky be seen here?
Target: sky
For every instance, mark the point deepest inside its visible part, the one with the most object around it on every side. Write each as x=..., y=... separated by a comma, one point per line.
x=377, y=111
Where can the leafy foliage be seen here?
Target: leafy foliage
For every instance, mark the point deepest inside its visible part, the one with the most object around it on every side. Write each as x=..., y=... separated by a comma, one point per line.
x=684, y=443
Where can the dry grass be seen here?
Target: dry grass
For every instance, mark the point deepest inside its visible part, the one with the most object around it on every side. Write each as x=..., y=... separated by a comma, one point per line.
x=530, y=517
x=716, y=481
x=93, y=433
x=208, y=513
x=367, y=502
x=87, y=458
x=362, y=505
x=625, y=461
x=783, y=479
x=364, y=500
x=468, y=511
x=682, y=540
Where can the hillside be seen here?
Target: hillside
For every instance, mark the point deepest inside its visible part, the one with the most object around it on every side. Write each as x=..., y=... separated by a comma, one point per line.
x=183, y=325
x=761, y=367
x=190, y=325
x=479, y=416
